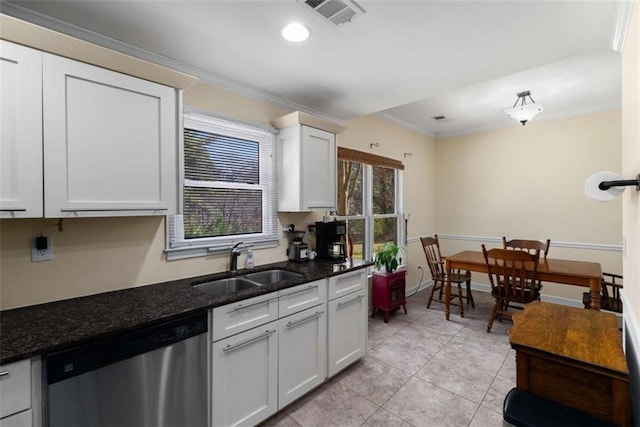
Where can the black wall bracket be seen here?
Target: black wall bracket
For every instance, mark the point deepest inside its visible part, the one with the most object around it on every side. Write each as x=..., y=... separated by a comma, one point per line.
x=605, y=185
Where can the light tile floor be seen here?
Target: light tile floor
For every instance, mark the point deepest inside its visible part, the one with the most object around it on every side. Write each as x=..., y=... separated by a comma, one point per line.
x=420, y=370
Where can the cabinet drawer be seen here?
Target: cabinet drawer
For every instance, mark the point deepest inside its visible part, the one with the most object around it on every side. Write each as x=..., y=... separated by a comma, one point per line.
x=243, y=315
x=15, y=387
x=346, y=283
x=301, y=297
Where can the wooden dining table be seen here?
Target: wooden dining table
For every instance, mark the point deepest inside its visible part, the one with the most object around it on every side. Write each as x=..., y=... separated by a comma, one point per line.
x=578, y=273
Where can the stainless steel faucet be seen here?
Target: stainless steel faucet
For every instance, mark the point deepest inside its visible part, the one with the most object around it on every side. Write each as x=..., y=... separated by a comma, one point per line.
x=233, y=257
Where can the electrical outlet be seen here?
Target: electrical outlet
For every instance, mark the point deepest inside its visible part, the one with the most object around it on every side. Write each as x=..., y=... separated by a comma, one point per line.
x=45, y=254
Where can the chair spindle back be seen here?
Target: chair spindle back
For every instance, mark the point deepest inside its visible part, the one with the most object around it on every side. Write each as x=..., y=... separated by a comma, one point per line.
x=512, y=273
x=529, y=246
x=431, y=249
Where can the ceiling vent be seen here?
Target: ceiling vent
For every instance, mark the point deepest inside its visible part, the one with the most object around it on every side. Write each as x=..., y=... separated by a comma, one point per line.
x=337, y=11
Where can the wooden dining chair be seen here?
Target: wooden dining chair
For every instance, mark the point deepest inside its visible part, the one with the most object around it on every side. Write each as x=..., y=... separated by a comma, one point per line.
x=436, y=263
x=610, y=295
x=529, y=246
x=512, y=275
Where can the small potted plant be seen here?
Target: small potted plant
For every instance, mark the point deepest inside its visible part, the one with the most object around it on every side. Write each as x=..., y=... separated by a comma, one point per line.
x=387, y=256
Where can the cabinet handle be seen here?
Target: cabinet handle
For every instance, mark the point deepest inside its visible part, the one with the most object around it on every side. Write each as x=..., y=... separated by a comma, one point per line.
x=241, y=306
x=111, y=209
x=346, y=276
x=297, y=322
x=302, y=290
x=4, y=374
x=14, y=210
x=230, y=347
x=342, y=304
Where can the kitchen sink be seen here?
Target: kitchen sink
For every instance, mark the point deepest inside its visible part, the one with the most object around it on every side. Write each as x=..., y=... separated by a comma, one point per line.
x=224, y=287
x=268, y=277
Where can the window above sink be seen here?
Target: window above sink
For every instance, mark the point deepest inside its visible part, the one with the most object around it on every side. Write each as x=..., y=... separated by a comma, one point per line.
x=229, y=181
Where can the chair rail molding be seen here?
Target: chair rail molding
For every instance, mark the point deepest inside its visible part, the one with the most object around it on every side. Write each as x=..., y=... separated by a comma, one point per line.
x=554, y=243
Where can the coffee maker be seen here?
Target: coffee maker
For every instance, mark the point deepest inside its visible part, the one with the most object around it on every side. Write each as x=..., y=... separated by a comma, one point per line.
x=331, y=240
x=297, y=250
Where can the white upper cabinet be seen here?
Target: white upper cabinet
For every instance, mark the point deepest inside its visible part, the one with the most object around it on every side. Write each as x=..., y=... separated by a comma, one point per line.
x=307, y=163
x=20, y=131
x=110, y=142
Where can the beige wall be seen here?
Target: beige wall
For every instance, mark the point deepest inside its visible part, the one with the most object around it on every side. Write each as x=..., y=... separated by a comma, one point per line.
x=630, y=169
x=103, y=254
x=418, y=177
x=528, y=182
x=95, y=255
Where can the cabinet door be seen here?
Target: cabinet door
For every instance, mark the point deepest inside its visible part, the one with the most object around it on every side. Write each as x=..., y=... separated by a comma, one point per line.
x=318, y=169
x=347, y=330
x=110, y=142
x=15, y=387
x=244, y=377
x=302, y=341
x=20, y=131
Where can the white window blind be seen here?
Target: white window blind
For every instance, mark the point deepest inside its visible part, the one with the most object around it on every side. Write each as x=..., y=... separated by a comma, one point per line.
x=230, y=187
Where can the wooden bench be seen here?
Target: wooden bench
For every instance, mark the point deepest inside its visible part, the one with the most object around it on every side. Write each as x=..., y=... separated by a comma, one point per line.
x=525, y=409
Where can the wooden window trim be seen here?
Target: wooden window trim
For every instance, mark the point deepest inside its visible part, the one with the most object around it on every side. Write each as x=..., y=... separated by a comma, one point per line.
x=348, y=154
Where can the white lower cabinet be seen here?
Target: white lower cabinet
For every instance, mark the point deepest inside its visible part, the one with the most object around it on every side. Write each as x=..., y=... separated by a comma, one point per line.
x=347, y=327
x=270, y=350
x=20, y=393
x=244, y=377
x=302, y=356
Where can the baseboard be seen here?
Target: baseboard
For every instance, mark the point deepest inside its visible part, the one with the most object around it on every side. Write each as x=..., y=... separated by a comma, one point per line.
x=414, y=289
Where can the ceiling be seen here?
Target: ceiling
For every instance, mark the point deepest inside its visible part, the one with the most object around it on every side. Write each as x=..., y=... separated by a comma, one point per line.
x=407, y=60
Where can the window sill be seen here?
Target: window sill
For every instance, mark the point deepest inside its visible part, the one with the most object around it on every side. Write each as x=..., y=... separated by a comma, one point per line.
x=206, y=250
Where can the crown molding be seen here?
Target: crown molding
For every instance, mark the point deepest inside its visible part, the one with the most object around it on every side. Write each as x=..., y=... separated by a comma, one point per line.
x=405, y=124
x=206, y=77
x=621, y=24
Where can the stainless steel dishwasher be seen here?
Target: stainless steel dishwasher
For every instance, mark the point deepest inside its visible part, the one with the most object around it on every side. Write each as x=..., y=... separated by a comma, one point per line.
x=155, y=376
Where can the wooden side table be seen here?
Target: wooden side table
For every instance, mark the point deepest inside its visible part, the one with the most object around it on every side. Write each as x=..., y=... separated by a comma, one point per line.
x=574, y=357
x=388, y=292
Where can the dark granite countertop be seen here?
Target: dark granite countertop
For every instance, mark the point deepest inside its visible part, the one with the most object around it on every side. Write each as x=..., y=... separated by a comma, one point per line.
x=45, y=328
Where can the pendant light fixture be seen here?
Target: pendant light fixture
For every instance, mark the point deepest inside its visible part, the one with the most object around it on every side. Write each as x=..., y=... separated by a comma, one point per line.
x=524, y=112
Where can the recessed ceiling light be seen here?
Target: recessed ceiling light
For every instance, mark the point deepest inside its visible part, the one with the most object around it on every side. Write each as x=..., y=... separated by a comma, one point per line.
x=295, y=32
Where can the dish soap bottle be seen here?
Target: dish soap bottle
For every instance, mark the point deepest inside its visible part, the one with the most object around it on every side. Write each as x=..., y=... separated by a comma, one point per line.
x=249, y=263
